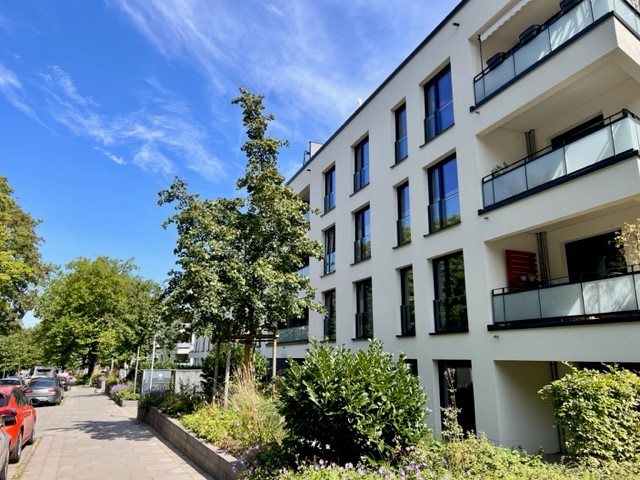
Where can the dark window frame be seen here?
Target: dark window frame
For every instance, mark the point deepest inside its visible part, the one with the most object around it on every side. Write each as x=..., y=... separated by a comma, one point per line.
x=329, y=326
x=401, y=129
x=407, y=305
x=362, y=243
x=442, y=198
x=361, y=165
x=329, y=262
x=450, y=301
x=330, y=189
x=364, y=309
x=438, y=97
x=403, y=224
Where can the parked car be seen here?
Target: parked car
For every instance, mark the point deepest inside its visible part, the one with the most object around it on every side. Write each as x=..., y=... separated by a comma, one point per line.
x=44, y=371
x=44, y=390
x=19, y=381
x=14, y=402
x=5, y=445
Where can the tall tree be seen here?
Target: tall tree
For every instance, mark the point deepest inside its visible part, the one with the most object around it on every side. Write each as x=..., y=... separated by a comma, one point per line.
x=238, y=257
x=93, y=310
x=21, y=266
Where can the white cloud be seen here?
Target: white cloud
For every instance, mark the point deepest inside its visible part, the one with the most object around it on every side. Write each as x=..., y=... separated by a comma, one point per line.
x=12, y=89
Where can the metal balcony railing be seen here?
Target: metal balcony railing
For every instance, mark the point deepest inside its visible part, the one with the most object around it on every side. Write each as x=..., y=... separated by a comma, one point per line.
x=329, y=201
x=330, y=327
x=618, y=134
x=543, y=40
x=404, y=230
x=361, y=178
x=362, y=248
x=444, y=213
x=402, y=149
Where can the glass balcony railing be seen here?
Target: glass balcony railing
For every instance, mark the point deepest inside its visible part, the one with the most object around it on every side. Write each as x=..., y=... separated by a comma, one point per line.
x=547, y=38
x=451, y=314
x=329, y=262
x=588, y=301
x=402, y=149
x=362, y=248
x=364, y=325
x=329, y=201
x=330, y=328
x=444, y=213
x=404, y=230
x=293, y=334
x=361, y=178
x=408, y=319
x=617, y=134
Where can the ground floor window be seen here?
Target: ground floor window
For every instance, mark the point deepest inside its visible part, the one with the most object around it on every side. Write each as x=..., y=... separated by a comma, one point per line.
x=456, y=388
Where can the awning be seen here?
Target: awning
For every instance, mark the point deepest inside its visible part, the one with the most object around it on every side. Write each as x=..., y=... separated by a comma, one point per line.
x=504, y=19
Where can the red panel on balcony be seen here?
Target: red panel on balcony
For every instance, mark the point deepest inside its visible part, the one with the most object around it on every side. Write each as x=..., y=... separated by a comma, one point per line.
x=522, y=270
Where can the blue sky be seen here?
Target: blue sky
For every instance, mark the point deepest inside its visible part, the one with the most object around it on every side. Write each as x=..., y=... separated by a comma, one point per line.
x=102, y=103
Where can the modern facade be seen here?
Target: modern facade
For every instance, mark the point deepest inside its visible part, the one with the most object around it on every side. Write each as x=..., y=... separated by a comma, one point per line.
x=468, y=207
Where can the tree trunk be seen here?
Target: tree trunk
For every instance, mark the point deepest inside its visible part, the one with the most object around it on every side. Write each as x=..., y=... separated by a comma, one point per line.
x=215, y=370
x=227, y=370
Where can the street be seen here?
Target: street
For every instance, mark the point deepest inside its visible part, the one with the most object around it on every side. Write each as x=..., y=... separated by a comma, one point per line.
x=89, y=437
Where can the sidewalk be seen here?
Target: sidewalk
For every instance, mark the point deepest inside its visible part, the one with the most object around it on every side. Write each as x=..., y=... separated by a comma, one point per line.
x=89, y=437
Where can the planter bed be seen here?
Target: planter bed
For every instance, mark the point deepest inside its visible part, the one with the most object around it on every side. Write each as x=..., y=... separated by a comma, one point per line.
x=212, y=460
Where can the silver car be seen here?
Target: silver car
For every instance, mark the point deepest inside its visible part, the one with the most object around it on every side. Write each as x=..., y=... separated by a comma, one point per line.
x=7, y=420
x=43, y=390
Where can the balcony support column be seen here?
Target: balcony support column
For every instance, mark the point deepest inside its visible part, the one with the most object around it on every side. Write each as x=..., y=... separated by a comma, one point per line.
x=543, y=258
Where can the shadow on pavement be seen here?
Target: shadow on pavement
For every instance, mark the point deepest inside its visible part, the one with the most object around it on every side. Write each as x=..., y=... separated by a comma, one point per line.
x=111, y=430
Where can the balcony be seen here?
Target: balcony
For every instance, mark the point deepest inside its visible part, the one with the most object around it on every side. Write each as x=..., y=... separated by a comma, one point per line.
x=540, y=42
x=364, y=325
x=183, y=348
x=294, y=334
x=614, y=298
x=599, y=147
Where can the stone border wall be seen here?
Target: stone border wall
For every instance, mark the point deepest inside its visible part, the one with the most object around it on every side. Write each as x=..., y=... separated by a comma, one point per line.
x=212, y=460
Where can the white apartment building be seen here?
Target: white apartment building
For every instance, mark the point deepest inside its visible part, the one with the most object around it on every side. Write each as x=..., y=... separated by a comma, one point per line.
x=468, y=207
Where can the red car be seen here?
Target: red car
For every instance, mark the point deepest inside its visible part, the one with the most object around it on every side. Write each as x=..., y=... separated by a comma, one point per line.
x=13, y=402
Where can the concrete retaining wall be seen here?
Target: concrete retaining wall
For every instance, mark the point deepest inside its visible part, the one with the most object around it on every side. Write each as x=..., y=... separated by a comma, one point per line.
x=209, y=458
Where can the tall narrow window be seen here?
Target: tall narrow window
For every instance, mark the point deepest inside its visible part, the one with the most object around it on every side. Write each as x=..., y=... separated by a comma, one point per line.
x=362, y=244
x=450, y=302
x=361, y=171
x=404, y=214
x=330, y=317
x=407, y=309
x=444, y=203
x=439, y=104
x=402, y=150
x=330, y=250
x=364, y=309
x=330, y=189
x=457, y=375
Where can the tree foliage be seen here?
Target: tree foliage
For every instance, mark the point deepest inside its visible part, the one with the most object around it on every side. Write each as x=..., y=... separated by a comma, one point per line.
x=342, y=406
x=238, y=257
x=95, y=309
x=628, y=241
x=21, y=266
x=20, y=350
x=600, y=413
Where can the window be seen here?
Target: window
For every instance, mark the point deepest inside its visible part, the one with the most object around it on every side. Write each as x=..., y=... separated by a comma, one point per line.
x=450, y=302
x=407, y=309
x=439, y=104
x=364, y=309
x=444, y=203
x=330, y=317
x=362, y=244
x=330, y=250
x=402, y=150
x=456, y=375
x=404, y=214
x=330, y=189
x=361, y=175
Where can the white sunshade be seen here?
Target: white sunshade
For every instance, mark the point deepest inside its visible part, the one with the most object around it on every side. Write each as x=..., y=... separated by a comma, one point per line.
x=503, y=19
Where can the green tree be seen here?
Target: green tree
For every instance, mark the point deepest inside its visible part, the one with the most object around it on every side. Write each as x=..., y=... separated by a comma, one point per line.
x=21, y=266
x=93, y=310
x=239, y=256
x=20, y=350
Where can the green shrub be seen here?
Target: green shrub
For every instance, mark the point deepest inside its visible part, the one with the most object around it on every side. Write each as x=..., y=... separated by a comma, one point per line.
x=170, y=403
x=93, y=380
x=342, y=406
x=112, y=380
x=600, y=414
x=249, y=419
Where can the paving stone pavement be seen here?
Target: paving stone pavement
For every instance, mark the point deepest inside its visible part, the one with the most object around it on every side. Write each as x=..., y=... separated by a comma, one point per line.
x=89, y=437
